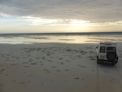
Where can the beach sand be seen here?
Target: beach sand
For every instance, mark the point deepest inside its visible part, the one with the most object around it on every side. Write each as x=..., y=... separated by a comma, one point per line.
x=53, y=67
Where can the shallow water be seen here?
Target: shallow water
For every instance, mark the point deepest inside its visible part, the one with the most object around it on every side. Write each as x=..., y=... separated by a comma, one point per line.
x=75, y=39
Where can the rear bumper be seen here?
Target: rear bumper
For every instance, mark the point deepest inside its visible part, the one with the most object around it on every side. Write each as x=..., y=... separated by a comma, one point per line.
x=103, y=60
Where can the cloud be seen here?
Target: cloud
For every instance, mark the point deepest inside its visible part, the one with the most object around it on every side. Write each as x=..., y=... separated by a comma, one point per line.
x=92, y=10
x=37, y=21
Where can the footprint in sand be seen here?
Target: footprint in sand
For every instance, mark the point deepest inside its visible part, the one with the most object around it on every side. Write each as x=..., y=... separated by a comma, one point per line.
x=79, y=56
x=81, y=66
x=66, y=70
x=46, y=70
x=1, y=87
x=61, y=63
x=91, y=52
x=6, y=74
x=2, y=70
x=48, y=54
x=21, y=82
x=89, y=47
x=43, y=58
x=30, y=60
x=38, y=49
x=76, y=78
x=60, y=58
x=41, y=64
x=26, y=66
x=33, y=63
x=91, y=58
x=37, y=58
x=58, y=70
x=68, y=50
x=83, y=52
x=25, y=62
x=53, y=66
x=13, y=64
x=68, y=61
x=50, y=61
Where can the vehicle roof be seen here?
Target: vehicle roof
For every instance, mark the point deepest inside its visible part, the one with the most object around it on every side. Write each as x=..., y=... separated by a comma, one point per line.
x=108, y=44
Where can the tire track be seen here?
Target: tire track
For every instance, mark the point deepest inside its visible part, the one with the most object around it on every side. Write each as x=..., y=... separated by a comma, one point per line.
x=108, y=79
x=97, y=80
x=119, y=75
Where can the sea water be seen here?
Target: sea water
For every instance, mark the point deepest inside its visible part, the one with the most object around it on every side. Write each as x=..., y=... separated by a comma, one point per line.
x=74, y=39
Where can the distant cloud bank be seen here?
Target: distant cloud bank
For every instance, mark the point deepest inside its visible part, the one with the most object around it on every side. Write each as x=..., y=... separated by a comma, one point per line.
x=92, y=10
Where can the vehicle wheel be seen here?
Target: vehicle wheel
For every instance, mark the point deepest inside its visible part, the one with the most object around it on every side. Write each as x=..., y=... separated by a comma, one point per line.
x=115, y=62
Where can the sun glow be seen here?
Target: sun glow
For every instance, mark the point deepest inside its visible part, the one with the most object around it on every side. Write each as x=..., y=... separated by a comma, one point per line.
x=39, y=24
x=60, y=24
x=79, y=24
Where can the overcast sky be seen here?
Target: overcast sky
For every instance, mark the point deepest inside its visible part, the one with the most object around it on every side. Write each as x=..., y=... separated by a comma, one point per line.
x=19, y=13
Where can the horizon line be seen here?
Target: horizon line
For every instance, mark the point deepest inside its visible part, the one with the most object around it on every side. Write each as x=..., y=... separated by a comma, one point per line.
x=61, y=33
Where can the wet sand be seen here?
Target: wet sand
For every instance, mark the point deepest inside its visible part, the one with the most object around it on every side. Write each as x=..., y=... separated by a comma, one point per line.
x=51, y=67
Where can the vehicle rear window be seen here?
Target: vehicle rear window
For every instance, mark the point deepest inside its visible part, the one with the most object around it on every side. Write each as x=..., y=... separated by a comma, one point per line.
x=113, y=49
x=102, y=49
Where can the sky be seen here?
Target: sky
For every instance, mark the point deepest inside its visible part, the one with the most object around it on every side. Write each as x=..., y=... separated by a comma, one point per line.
x=60, y=16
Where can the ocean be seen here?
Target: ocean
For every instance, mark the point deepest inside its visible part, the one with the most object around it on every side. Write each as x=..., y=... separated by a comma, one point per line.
x=73, y=38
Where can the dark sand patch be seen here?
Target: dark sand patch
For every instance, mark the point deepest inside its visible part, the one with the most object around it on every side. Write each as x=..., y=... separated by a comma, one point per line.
x=33, y=63
x=30, y=60
x=22, y=82
x=79, y=56
x=26, y=66
x=37, y=58
x=92, y=58
x=76, y=78
x=6, y=74
x=41, y=63
x=48, y=54
x=1, y=87
x=46, y=70
x=54, y=67
x=25, y=62
x=68, y=61
x=50, y=61
x=2, y=70
x=60, y=58
x=62, y=63
x=58, y=70
x=13, y=64
x=69, y=50
x=43, y=58
x=82, y=66
x=67, y=70
x=83, y=52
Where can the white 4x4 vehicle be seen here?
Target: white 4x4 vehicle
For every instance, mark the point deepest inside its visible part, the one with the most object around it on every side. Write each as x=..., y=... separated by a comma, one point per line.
x=107, y=52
